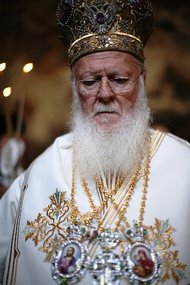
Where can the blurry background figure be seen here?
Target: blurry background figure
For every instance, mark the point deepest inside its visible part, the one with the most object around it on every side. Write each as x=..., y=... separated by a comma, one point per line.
x=12, y=149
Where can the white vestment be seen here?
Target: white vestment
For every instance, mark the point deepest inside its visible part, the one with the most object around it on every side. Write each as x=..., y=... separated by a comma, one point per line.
x=22, y=261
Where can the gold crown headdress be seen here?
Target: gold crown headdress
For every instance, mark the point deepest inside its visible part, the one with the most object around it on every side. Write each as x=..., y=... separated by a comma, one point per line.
x=89, y=26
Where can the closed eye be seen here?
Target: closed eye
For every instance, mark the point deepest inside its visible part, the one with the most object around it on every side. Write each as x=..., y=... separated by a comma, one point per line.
x=88, y=83
x=120, y=80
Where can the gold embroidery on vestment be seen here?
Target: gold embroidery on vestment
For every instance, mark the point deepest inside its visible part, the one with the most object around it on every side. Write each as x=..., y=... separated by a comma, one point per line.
x=48, y=230
x=160, y=235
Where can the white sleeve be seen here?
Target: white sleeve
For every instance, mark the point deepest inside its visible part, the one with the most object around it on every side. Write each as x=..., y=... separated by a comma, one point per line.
x=8, y=208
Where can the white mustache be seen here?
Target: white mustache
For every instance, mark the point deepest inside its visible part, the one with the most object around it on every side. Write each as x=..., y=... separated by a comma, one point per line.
x=105, y=108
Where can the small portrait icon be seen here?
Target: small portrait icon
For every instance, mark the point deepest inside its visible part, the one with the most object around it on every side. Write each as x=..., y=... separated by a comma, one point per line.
x=143, y=263
x=67, y=261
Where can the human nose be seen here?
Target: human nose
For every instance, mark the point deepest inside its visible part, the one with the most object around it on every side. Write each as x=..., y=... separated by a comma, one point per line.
x=105, y=92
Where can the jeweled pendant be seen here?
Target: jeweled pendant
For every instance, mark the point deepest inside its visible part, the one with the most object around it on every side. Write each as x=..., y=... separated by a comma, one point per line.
x=68, y=265
x=142, y=264
x=106, y=267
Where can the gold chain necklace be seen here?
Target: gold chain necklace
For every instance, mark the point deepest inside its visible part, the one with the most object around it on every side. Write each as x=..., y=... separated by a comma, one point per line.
x=105, y=265
x=121, y=211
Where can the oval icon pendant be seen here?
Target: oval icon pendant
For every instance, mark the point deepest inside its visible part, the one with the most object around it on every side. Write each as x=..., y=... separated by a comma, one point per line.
x=142, y=264
x=68, y=265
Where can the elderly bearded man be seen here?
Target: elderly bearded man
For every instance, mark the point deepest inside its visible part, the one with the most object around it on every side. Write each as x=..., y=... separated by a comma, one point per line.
x=112, y=188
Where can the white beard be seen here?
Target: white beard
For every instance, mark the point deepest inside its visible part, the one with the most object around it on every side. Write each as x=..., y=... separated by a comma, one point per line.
x=110, y=153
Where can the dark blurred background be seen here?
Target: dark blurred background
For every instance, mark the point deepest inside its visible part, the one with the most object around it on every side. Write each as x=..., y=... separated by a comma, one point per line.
x=40, y=101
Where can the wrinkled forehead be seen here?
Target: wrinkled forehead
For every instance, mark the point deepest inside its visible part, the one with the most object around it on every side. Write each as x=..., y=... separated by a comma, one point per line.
x=107, y=61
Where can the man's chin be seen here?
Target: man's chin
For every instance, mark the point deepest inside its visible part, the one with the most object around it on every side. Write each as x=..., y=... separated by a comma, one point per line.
x=107, y=121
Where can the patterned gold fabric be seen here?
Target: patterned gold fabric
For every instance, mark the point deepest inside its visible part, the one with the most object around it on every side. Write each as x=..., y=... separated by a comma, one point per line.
x=93, y=25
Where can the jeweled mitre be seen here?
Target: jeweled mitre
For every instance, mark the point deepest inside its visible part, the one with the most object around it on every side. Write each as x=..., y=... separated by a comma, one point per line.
x=88, y=26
